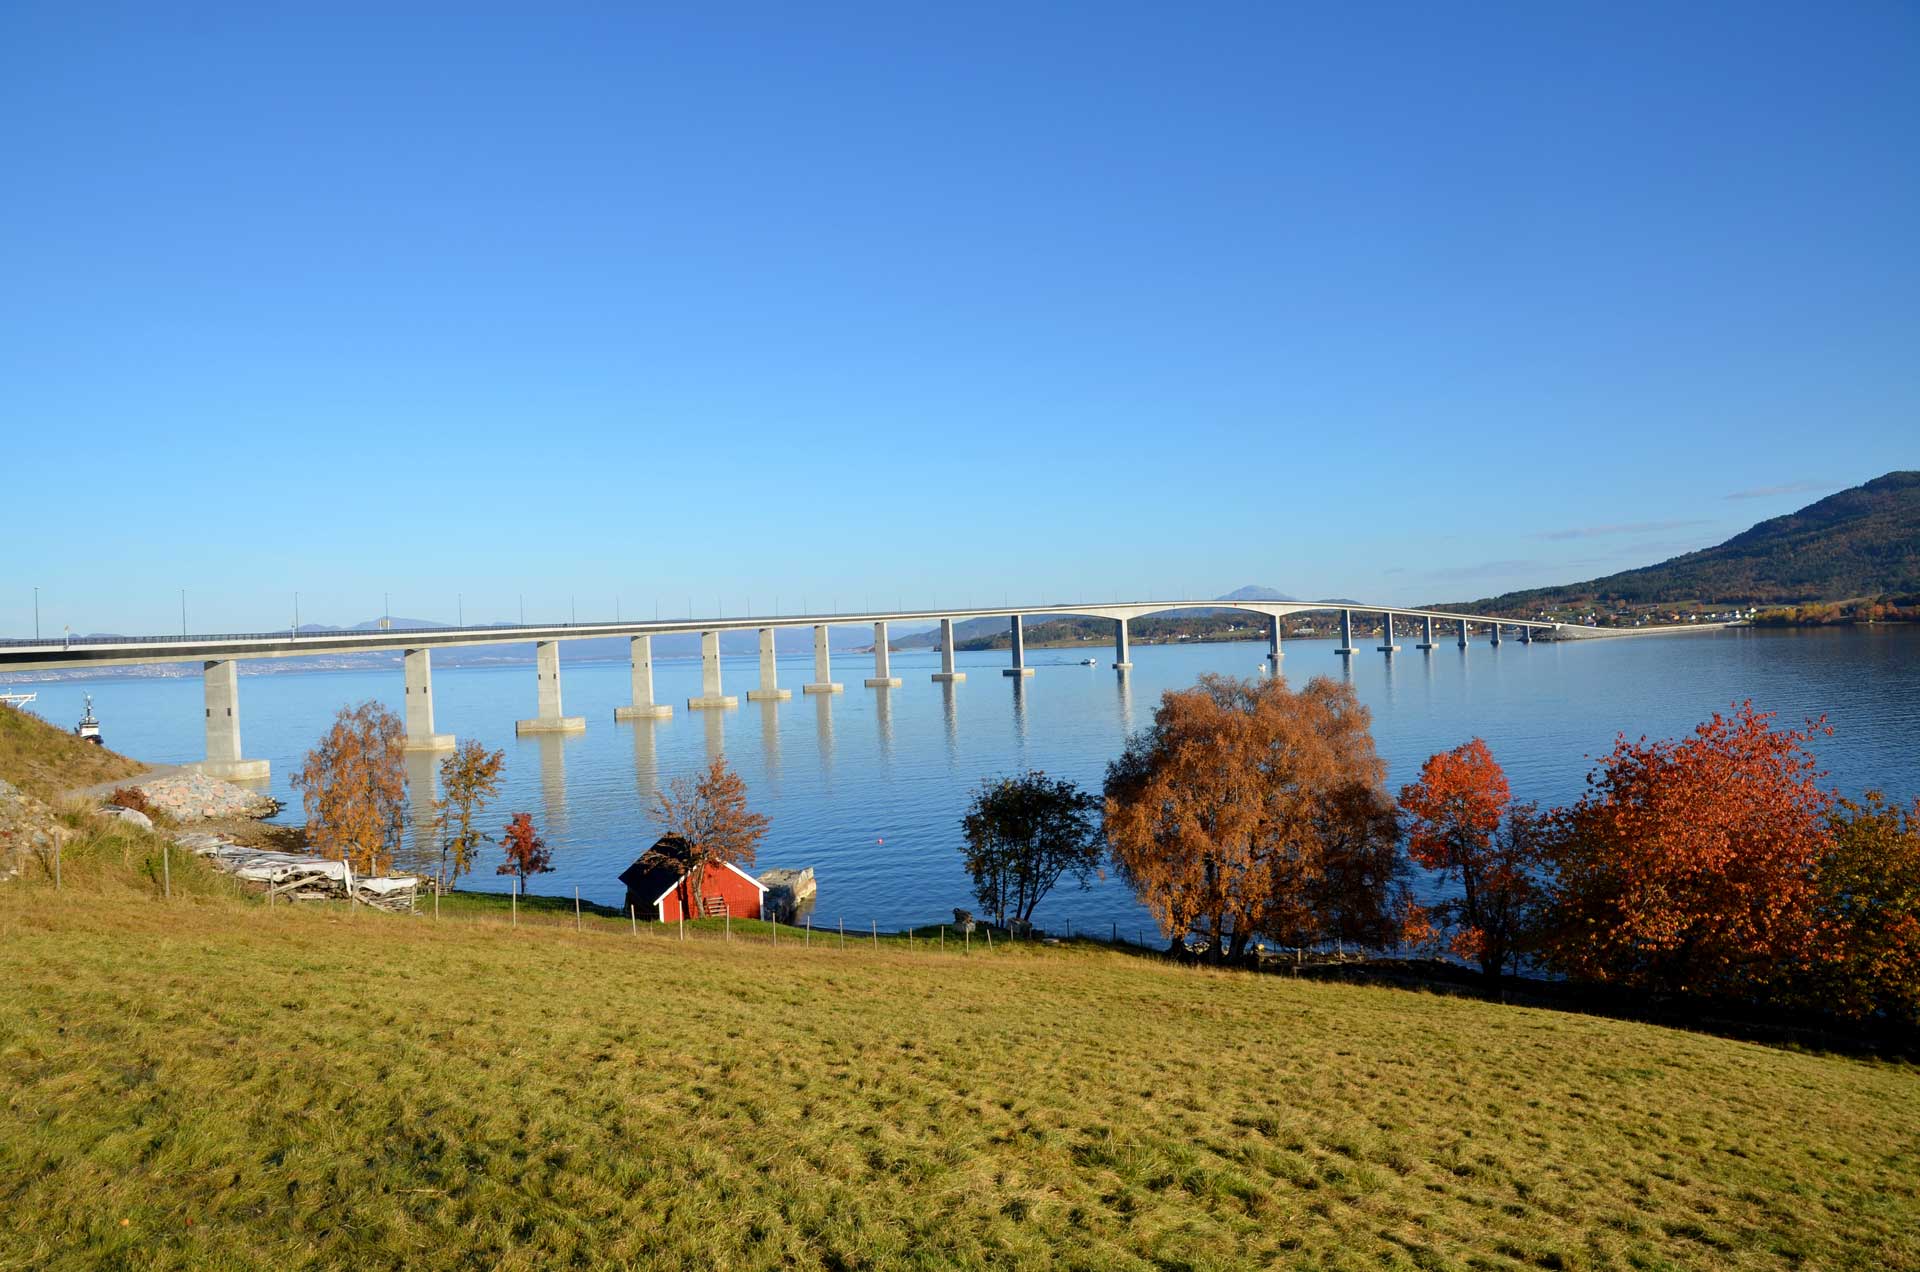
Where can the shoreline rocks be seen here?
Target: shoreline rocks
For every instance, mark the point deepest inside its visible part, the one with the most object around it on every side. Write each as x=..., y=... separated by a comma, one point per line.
x=190, y=796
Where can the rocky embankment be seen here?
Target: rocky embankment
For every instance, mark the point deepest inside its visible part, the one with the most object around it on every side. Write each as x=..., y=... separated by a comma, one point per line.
x=188, y=796
x=28, y=829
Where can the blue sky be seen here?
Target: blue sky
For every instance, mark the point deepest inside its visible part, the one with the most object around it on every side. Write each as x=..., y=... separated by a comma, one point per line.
x=870, y=304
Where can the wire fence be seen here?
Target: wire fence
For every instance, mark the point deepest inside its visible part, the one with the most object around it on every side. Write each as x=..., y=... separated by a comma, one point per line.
x=807, y=931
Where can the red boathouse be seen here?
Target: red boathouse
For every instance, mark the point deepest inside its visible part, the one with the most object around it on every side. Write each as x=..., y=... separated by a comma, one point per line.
x=659, y=886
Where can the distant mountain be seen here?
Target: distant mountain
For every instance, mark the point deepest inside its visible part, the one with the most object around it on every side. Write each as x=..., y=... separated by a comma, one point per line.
x=1862, y=542
x=1254, y=592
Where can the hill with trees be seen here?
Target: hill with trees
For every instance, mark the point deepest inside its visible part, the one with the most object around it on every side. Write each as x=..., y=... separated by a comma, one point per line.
x=1863, y=542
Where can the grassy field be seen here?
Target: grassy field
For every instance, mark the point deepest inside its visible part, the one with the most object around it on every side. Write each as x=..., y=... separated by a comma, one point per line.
x=209, y=1083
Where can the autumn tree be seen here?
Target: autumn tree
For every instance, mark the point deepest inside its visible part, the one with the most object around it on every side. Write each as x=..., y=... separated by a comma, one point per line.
x=469, y=779
x=1246, y=807
x=1690, y=865
x=1023, y=835
x=1867, y=907
x=353, y=786
x=709, y=818
x=1463, y=825
x=527, y=853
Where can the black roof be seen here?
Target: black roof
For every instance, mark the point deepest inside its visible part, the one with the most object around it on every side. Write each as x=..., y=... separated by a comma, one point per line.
x=657, y=869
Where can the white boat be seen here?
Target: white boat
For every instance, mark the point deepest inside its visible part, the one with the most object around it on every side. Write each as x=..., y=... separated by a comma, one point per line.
x=88, y=729
x=1089, y=662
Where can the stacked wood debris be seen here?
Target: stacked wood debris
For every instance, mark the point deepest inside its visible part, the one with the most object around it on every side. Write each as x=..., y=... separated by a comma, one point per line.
x=289, y=876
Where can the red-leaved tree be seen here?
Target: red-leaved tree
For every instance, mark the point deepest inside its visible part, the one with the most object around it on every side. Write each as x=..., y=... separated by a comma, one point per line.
x=1690, y=865
x=1462, y=823
x=527, y=853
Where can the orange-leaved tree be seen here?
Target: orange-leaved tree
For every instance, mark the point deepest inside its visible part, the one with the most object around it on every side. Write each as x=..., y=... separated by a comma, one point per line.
x=1246, y=807
x=1868, y=905
x=1690, y=865
x=527, y=853
x=709, y=818
x=353, y=786
x=1462, y=824
x=469, y=778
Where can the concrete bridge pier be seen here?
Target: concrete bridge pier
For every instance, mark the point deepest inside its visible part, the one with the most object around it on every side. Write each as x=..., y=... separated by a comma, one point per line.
x=546, y=669
x=222, y=686
x=947, y=675
x=823, y=681
x=1526, y=635
x=769, y=690
x=1463, y=633
x=1426, y=634
x=1495, y=641
x=643, y=707
x=417, y=664
x=882, y=677
x=711, y=698
x=1346, y=648
x=1019, y=646
x=1122, y=655
x=1388, y=648
x=1274, y=652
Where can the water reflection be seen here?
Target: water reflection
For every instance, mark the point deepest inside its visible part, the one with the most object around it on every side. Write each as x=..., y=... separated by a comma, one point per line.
x=1020, y=718
x=553, y=783
x=883, y=721
x=823, y=733
x=770, y=738
x=950, y=708
x=1123, y=687
x=646, y=762
x=422, y=768
x=715, y=724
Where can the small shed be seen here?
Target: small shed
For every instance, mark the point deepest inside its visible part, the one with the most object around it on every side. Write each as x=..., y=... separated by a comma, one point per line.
x=660, y=887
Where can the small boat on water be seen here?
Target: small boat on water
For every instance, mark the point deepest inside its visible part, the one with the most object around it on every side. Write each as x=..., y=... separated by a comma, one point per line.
x=1089, y=662
x=88, y=730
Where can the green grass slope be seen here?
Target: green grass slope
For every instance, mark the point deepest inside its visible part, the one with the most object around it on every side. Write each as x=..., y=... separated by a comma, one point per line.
x=209, y=1083
x=45, y=761
x=1864, y=541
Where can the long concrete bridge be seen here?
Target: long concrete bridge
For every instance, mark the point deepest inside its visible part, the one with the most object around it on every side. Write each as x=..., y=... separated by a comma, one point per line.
x=220, y=654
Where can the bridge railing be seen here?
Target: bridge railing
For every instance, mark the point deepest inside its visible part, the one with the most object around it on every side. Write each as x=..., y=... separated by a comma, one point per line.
x=285, y=633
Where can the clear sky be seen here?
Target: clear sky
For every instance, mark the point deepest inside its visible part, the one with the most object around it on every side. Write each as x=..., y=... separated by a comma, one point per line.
x=931, y=303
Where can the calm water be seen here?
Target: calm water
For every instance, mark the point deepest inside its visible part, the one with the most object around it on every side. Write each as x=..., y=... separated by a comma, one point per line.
x=868, y=786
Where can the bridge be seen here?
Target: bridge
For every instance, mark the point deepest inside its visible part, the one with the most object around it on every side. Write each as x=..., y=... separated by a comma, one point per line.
x=220, y=655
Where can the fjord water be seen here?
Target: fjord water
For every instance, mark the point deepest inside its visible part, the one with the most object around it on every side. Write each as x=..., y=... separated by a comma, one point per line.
x=868, y=786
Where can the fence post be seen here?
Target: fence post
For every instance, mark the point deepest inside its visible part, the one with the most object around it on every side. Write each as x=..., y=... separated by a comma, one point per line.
x=989, y=940
x=876, y=934
x=773, y=931
x=436, y=898
x=1116, y=931
x=576, y=907
x=969, y=932
x=809, y=940
x=633, y=918
x=909, y=940
x=943, y=938
x=729, y=923
x=166, y=867
x=513, y=886
x=843, y=931
x=683, y=925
